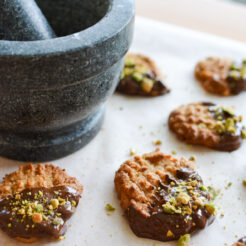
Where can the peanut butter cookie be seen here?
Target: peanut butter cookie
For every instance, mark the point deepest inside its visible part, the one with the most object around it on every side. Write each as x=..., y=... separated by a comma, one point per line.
x=222, y=76
x=209, y=125
x=36, y=201
x=163, y=198
x=141, y=77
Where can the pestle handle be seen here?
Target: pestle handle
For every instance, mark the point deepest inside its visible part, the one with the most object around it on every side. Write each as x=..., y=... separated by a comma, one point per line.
x=22, y=20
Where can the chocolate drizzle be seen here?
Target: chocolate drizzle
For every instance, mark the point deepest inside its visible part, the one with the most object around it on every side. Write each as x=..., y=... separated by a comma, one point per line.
x=164, y=225
x=242, y=240
x=38, y=212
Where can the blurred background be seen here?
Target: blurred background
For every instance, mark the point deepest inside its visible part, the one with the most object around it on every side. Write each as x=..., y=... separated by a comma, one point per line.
x=220, y=17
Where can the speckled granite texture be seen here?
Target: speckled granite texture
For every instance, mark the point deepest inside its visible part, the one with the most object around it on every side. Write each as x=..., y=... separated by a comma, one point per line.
x=22, y=20
x=53, y=91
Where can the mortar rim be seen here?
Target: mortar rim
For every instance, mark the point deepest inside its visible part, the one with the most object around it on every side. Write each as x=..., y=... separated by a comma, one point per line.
x=123, y=10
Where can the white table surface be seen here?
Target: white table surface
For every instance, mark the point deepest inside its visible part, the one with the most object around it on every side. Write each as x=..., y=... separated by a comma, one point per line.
x=176, y=50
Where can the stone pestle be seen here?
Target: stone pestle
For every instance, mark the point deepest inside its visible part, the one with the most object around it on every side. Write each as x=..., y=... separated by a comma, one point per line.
x=22, y=20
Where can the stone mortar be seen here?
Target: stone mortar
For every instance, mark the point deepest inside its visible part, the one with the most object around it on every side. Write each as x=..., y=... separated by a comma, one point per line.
x=53, y=91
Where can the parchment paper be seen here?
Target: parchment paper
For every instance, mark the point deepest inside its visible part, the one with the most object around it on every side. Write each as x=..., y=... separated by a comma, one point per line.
x=135, y=123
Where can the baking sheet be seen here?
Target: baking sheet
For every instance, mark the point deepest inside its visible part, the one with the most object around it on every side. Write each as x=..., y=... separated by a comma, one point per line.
x=136, y=123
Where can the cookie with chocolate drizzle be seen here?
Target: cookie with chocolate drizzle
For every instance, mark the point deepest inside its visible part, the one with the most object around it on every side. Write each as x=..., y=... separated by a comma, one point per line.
x=241, y=242
x=163, y=198
x=141, y=77
x=222, y=76
x=36, y=201
x=209, y=125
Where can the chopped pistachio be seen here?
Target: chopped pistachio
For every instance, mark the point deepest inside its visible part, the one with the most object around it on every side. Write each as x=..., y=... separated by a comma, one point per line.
x=9, y=225
x=50, y=212
x=244, y=182
x=211, y=208
x=40, y=193
x=21, y=211
x=158, y=142
x=109, y=208
x=192, y=158
x=170, y=209
x=54, y=203
x=37, y=218
x=183, y=198
x=137, y=76
x=122, y=76
x=73, y=203
x=129, y=62
x=184, y=240
x=199, y=202
x=213, y=193
x=203, y=188
x=243, y=133
x=133, y=151
x=170, y=234
x=147, y=84
x=228, y=185
x=18, y=197
x=174, y=152
x=57, y=221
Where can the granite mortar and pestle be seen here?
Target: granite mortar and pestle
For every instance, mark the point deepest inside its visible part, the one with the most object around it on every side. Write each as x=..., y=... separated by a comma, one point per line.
x=54, y=88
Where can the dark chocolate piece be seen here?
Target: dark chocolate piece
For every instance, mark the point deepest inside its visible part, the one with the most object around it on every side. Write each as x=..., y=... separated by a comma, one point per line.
x=38, y=212
x=173, y=215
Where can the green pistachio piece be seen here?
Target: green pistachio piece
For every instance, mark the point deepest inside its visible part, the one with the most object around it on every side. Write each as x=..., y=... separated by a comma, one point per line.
x=243, y=133
x=147, y=85
x=122, y=76
x=170, y=209
x=109, y=208
x=183, y=198
x=243, y=71
x=57, y=221
x=213, y=193
x=128, y=71
x=211, y=208
x=129, y=62
x=220, y=127
x=184, y=240
x=137, y=76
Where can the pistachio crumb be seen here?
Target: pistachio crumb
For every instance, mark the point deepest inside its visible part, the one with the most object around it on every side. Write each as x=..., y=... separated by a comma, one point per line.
x=184, y=240
x=54, y=203
x=174, y=152
x=170, y=234
x=37, y=218
x=211, y=208
x=57, y=221
x=192, y=158
x=158, y=142
x=133, y=151
x=109, y=208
